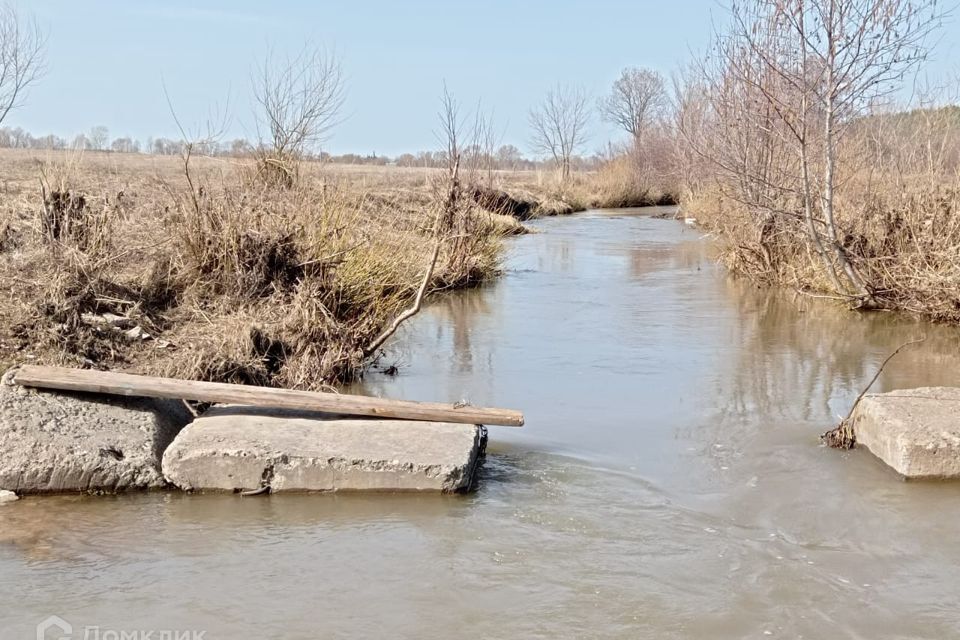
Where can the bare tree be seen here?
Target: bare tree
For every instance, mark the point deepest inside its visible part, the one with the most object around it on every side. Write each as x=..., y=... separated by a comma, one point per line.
x=855, y=52
x=239, y=147
x=480, y=153
x=80, y=143
x=637, y=100
x=690, y=109
x=99, y=137
x=22, y=45
x=559, y=125
x=451, y=132
x=508, y=157
x=299, y=99
x=452, y=221
x=792, y=78
x=125, y=145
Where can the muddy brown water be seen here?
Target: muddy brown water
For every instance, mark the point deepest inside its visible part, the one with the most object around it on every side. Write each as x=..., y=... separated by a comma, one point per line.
x=668, y=484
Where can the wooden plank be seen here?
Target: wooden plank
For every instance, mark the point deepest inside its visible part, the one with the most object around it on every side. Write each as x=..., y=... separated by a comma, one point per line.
x=124, y=384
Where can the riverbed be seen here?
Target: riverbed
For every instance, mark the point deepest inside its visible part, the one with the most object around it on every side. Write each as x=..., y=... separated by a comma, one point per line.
x=669, y=482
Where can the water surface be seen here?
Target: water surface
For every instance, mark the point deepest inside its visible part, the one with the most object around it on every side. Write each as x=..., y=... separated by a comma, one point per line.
x=668, y=484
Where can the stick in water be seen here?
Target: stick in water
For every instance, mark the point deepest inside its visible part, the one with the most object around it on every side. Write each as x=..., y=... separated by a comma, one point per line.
x=842, y=436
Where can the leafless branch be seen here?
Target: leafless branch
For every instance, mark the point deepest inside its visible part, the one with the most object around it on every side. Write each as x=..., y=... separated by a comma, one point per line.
x=22, y=48
x=300, y=98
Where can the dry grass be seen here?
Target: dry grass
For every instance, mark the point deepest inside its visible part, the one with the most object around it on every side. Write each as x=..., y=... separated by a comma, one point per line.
x=231, y=277
x=898, y=212
x=621, y=182
x=633, y=180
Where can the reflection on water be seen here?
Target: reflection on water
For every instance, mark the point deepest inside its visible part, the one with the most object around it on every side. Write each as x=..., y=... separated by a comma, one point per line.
x=668, y=484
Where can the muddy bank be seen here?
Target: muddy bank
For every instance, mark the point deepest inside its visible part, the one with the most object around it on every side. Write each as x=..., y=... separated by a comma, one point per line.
x=521, y=206
x=525, y=206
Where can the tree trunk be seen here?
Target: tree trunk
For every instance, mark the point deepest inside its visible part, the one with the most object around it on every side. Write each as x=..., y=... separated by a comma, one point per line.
x=829, y=177
x=812, y=230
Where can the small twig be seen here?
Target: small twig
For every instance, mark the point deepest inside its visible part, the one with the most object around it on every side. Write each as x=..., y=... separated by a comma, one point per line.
x=877, y=374
x=842, y=436
x=116, y=300
x=123, y=254
x=823, y=296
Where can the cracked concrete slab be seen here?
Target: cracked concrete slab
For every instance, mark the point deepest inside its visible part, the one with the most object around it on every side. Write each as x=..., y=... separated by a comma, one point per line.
x=246, y=449
x=58, y=442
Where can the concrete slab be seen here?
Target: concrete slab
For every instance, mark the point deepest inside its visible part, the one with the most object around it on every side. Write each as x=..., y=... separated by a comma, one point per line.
x=244, y=449
x=54, y=442
x=915, y=431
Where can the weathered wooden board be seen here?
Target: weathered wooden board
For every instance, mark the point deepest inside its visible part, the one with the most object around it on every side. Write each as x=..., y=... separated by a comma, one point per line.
x=124, y=384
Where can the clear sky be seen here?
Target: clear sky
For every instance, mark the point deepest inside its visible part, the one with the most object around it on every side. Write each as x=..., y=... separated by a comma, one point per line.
x=110, y=59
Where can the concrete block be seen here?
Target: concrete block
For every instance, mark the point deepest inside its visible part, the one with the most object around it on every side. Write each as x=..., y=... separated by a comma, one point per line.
x=915, y=431
x=58, y=442
x=245, y=448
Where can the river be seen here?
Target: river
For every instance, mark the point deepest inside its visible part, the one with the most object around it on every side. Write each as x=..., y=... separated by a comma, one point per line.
x=669, y=482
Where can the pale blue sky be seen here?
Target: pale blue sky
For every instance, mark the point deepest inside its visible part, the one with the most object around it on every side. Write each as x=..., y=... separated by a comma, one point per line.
x=109, y=59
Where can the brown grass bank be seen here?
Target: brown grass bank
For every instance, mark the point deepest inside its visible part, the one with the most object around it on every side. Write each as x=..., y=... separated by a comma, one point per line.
x=898, y=216
x=618, y=183
x=130, y=262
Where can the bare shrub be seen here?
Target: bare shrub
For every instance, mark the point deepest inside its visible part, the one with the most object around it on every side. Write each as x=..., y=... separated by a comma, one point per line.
x=787, y=88
x=458, y=223
x=300, y=98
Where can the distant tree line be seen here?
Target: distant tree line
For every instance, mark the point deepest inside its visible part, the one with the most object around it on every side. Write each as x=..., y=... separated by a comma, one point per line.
x=98, y=139
x=506, y=157
x=298, y=99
